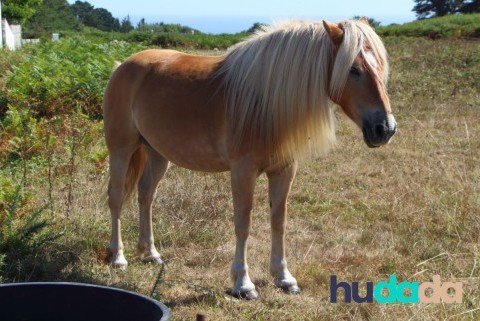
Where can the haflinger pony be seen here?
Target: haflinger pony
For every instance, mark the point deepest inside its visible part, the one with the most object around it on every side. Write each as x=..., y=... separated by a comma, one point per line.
x=259, y=108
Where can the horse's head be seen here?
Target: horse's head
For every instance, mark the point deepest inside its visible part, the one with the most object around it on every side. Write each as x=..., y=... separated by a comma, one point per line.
x=359, y=86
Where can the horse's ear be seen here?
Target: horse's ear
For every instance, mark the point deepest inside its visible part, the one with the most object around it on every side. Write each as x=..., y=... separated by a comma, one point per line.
x=335, y=32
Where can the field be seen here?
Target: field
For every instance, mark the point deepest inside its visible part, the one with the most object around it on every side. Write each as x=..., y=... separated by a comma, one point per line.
x=441, y=27
x=410, y=208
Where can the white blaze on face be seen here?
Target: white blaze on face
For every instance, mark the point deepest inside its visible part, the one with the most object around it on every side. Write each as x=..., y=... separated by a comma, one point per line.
x=391, y=123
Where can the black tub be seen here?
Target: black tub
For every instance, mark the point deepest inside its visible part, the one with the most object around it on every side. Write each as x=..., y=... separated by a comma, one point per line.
x=76, y=302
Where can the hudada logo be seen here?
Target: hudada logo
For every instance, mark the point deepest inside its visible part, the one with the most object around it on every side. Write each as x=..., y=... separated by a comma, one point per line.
x=393, y=292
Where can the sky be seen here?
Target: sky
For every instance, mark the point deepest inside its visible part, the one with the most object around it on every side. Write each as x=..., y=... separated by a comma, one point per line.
x=223, y=16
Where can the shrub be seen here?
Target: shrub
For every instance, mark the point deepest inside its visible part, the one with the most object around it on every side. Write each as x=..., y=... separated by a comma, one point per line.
x=61, y=77
x=466, y=25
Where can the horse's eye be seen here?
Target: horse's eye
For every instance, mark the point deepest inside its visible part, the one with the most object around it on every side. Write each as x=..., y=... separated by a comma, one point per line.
x=355, y=71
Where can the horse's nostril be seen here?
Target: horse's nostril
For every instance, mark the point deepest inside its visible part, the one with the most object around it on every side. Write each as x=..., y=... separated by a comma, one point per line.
x=380, y=130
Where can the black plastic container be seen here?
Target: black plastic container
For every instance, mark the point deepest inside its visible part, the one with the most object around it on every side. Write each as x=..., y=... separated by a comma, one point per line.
x=76, y=302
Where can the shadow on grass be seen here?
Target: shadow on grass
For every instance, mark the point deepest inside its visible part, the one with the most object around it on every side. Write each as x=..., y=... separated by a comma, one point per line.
x=55, y=261
x=32, y=248
x=35, y=264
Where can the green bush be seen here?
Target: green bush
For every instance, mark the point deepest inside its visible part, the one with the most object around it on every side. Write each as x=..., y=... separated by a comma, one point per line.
x=8, y=60
x=466, y=25
x=60, y=77
x=163, y=39
x=196, y=41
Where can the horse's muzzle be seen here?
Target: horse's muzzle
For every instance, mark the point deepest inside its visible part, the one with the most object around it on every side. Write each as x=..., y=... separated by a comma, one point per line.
x=378, y=128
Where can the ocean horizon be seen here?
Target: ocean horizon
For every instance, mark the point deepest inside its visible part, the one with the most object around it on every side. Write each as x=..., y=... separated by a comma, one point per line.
x=236, y=24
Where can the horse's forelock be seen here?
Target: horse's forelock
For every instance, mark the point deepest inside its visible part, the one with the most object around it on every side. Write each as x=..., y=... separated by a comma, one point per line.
x=357, y=36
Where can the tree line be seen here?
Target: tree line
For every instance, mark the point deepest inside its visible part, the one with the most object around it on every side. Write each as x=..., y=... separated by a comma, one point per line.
x=438, y=8
x=40, y=17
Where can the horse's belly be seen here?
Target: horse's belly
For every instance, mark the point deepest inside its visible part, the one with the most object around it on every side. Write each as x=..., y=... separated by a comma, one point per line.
x=190, y=144
x=195, y=154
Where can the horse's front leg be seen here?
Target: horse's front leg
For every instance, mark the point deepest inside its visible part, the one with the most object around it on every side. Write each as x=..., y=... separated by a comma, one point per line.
x=243, y=178
x=279, y=184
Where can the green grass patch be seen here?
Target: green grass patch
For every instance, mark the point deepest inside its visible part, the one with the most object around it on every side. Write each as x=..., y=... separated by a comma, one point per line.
x=465, y=25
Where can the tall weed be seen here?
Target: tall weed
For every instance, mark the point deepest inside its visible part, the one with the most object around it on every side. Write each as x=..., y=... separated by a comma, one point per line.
x=24, y=231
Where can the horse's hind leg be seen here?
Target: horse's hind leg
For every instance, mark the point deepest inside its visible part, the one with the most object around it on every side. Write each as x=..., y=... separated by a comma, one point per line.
x=155, y=169
x=119, y=163
x=279, y=184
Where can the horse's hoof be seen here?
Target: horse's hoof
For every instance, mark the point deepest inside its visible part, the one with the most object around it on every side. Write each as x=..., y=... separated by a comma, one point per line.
x=157, y=260
x=118, y=261
x=119, y=265
x=247, y=295
x=250, y=295
x=291, y=289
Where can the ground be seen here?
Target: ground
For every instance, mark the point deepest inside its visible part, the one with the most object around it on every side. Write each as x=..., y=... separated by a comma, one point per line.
x=410, y=208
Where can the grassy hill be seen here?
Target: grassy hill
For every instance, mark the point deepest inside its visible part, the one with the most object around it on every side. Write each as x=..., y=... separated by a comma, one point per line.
x=467, y=25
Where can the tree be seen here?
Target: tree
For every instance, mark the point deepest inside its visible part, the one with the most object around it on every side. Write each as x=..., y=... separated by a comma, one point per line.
x=141, y=24
x=372, y=22
x=255, y=27
x=98, y=18
x=82, y=10
x=19, y=11
x=126, y=25
x=52, y=16
x=103, y=20
x=470, y=6
x=437, y=8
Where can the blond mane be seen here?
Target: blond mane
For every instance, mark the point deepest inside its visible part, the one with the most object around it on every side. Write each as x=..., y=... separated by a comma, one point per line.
x=277, y=86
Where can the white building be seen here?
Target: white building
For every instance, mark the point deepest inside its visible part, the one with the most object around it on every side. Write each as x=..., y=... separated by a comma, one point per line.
x=10, y=35
x=1, y=29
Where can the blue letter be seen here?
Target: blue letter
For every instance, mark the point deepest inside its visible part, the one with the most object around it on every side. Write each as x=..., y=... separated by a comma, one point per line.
x=334, y=287
x=391, y=286
x=413, y=287
x=356, y=294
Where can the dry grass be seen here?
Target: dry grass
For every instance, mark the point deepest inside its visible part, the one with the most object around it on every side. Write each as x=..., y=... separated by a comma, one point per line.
x=410, y=208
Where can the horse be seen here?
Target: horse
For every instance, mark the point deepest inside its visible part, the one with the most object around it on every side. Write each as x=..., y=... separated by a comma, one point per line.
x=261, y=107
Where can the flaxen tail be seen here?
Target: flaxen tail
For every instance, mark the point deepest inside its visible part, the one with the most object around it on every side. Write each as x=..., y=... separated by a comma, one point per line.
x=135, y=170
